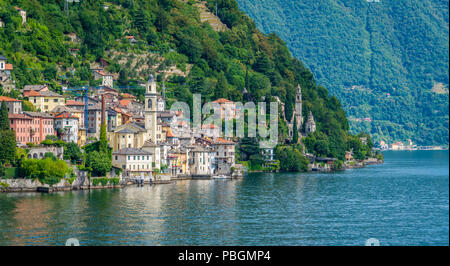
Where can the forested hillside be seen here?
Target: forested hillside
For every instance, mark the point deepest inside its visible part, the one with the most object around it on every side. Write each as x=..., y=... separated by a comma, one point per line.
x=168, y=33
x=385, y=60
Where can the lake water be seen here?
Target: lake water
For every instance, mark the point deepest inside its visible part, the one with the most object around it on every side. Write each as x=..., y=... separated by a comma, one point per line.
x=405, y=201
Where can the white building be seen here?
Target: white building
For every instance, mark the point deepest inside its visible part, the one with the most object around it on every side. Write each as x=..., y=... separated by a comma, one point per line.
x=225, y=153
x=200, y=162
x=66, y=126
x=134, y=162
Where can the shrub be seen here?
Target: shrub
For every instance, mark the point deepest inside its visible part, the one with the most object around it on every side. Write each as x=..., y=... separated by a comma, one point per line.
x=114, y=181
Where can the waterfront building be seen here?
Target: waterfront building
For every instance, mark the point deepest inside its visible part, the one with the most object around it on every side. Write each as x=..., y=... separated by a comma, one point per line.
x=134, y=162
x=14, y=106
x=155, y=151
x=225, y=153
x=199, y=162
x=129, y=135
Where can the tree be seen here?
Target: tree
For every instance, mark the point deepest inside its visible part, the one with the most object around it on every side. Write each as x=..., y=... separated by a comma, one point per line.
x=27, y=106
x=4, y=120
x=99, y=163
x=8, y=146
x=103, y=145
x=72, y=152
x=295, y=132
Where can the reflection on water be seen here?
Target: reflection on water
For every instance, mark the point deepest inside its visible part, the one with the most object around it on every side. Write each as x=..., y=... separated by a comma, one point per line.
x=403, y=202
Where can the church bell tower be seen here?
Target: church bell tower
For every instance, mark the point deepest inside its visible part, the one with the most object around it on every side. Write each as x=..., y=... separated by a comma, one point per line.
x=151, y=108
x=298, y=108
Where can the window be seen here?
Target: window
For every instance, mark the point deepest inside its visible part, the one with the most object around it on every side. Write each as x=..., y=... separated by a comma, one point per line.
x=129, y=157
x=116, y=157
x=55, y=100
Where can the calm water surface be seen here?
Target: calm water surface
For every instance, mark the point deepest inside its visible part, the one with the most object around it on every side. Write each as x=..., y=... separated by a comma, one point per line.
x=405, y=201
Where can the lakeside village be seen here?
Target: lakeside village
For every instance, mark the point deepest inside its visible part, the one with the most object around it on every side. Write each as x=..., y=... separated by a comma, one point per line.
x=109, y=139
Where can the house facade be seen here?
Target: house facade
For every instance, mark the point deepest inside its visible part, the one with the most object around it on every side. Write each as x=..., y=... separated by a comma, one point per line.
x=14, y=106
x=66, y=126
x=134, y=162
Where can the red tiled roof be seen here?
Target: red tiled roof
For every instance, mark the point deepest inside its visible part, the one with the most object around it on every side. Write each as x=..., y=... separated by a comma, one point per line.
x=9, y=67
x=124, y=102
x=223, y=141
x=8, y=99
x=129, y=37
x=31, y=93
x=66, y=115
x=102, y=73
x=222, y=100
x=72, y=102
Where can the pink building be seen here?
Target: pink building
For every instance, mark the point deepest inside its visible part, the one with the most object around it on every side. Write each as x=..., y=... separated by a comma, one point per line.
x=32, y=127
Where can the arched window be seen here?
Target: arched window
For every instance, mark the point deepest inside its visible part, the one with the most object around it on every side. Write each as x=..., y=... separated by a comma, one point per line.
x=149, y=103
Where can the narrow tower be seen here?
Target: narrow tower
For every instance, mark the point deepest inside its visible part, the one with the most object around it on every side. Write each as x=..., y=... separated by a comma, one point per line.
x=298, y=108
x=150, y=108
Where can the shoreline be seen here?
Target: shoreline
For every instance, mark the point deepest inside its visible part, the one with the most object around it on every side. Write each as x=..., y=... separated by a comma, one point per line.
x=29, y=185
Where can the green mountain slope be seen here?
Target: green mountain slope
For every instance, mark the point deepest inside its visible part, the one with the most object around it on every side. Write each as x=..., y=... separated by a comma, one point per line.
x=386, y=60
x=168, y=34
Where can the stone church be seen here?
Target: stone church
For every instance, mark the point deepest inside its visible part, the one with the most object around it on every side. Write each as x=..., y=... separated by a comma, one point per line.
x=310, y=126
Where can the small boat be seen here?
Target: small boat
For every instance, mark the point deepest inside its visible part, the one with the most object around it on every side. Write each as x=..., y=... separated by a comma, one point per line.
x=221, y=177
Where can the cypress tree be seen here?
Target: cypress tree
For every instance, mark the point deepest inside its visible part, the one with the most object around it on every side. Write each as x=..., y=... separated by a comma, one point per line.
x=103, y=145
x=4, y=120
x=295, y=131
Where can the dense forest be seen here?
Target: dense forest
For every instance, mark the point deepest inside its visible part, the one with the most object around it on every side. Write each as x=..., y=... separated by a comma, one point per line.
x=217, y=63
x=385, y=60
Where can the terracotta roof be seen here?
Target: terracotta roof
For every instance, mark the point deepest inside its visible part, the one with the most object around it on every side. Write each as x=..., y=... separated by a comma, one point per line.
x=102, y=73
x=124, y=102
x=72, y=102
x=31, y=93
x=222, y=100
x=66, y=115
x=8, y=67
x=129, y=37
x=223, y=141
x=8, y=99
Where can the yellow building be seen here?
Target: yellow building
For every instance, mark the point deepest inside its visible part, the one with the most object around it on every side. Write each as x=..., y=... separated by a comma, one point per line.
x=180, y=162
x=45, y=100
x=81, y=136
x=129, y=135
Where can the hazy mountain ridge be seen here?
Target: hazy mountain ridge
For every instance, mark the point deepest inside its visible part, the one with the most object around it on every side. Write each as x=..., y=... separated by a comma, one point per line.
x=395, y=47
